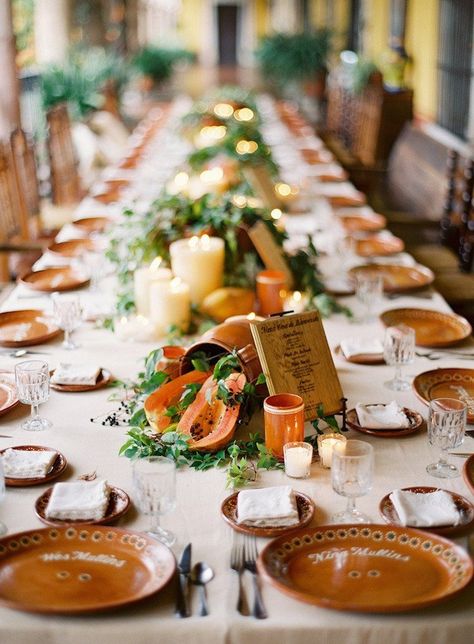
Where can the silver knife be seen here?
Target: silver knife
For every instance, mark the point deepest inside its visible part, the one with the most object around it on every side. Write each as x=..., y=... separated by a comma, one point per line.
x=184, y=571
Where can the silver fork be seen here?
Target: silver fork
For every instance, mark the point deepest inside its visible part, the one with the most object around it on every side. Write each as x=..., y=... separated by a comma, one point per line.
x=250, y=564
x=237, y=564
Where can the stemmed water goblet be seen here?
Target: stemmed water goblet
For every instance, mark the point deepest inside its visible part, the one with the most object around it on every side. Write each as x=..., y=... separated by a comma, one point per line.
x=68, y=314
x=3, y=527
x=369, y=292
x=32, y=384
x=446, y=426
x=351, y=476
x=399, y=349
x=154, y=480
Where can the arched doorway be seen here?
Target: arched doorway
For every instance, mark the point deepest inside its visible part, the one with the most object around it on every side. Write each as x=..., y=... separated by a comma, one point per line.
x=228, y=27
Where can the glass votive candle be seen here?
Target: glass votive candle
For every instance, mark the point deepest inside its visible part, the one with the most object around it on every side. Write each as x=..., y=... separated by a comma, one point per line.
x=326, y=443
x=298, y=456
x=270, y=287
x=284, y=421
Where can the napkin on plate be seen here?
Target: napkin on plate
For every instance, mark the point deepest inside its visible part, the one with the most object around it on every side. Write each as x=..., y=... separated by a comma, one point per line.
x=267, y=507
x=357, y=346
x=75, y=374
x=425, y=510
x=78, y=500
x=389, y=416
x=26, y=464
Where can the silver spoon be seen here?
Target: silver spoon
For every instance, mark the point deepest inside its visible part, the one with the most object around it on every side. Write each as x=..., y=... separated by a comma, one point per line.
x=19, y=353
x=201, y=574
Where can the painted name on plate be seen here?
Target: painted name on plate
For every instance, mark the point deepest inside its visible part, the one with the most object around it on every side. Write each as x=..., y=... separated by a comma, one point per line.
x=80, y=555
x=326, y=555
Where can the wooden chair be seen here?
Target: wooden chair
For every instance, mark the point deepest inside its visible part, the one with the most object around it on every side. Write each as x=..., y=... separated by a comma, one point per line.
x=65, y=182
x=25, y=167
x=466, y=228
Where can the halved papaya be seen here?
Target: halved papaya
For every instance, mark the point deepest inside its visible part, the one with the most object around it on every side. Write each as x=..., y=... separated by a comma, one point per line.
x=168, y=395
x=208, y=421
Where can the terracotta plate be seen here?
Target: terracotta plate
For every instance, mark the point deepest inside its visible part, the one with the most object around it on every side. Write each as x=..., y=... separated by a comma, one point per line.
x=93, y=224
x=119, y=503
x=68, y=570
x=229, y=513
x=347, y=201
x=72, y=247
x=26, y=328
x=331, y=178
x=8, y=395
x=367, y=568
x=376, y=245
x=50, y=280
x=398, y=278
x=447, y=383
x=367, y=222
x=468, y=473
x=363, y=358
x=56, y=470
x=102, y=381
x=463, y=506
x=416, y=423
x=432, y=328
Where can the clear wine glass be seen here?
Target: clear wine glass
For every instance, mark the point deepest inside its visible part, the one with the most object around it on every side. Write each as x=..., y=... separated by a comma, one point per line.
x=369, y=292
x=154, y=480
x=3, y=527
x=32, y=384
x=95, y=265
x=399, y=349
x=446, y=425
x=68, y=314
x=351, y=476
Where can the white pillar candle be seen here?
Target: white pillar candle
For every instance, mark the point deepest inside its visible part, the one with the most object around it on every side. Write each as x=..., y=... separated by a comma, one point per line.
x=298, y=456
x=199, y=262
x=143, y=278
x=170, y=304
x=326, y=443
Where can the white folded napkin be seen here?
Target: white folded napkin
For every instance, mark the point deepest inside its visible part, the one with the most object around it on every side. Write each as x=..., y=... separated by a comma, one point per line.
x=344, y=189
x=79, y=500
x=26, y=464
x=360, y=346
x=425, y=510
x=75, y=374
x=467, y=446
x=267, y=507
x=389, y=416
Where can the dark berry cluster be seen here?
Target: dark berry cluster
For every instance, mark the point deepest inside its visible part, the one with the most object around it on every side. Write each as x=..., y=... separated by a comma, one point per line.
x=116, y=418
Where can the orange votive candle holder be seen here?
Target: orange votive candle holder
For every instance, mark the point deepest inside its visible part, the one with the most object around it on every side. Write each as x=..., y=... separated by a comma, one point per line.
x=284, y=421
x=271, y=291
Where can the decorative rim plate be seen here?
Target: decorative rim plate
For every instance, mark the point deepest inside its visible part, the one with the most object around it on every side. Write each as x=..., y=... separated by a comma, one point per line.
x=72, y=247
x=362, y=358
x=103, y=380
x=369, y=222
x=92, y=224
x=447, y=383
x=50, y=280
x=398, y=278
x=69, y=570
x=26, y=328
x=463, y=506
x=375, y=245
x=432, y=328
x=416, y=423
x=8, y=395
x=57, y=468
x=119, y=503
x=229, y=513
x=468, y=473
x=366, y=568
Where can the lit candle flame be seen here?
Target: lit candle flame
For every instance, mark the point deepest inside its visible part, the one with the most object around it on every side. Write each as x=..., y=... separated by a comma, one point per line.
x=276, y=213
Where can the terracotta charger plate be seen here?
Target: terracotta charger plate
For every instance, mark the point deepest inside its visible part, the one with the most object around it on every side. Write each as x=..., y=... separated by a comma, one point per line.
x=397, y=278
x=26, y=328
x=8, y=395
x=229, y=513
x=72, y=247
x=50, y=280
x=362, y=358
x=102, y=381
x=368, y=222
x=432, y=328
x=92, y=224
x=463, y=506
x=447, y=383
x=346, y=201
x=415, y=419
x=119, y=503
x=375, y=245
x=468, y=473
x=100, y=568
x=366, y=568
x=57, y=468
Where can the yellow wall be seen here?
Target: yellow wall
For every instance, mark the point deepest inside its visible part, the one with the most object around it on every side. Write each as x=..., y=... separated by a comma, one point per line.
x=262, y=23
x=189, y=24
x=376, y=33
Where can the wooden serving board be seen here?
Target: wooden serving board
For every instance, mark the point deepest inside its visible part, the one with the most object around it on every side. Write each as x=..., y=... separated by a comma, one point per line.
x=270, y=253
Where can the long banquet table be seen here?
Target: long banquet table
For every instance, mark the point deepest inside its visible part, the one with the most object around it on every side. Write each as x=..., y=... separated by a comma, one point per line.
x=91, y=446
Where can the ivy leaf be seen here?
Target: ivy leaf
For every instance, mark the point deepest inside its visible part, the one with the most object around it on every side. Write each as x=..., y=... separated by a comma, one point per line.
x=261, y=380
x=152, y=360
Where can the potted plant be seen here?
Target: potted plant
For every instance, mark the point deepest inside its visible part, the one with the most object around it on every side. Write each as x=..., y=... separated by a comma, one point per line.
x=155, y=64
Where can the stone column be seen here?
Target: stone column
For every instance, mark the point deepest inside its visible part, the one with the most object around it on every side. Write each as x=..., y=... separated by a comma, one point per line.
x=9, y=85
x=284, y=16
x=51, y=31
